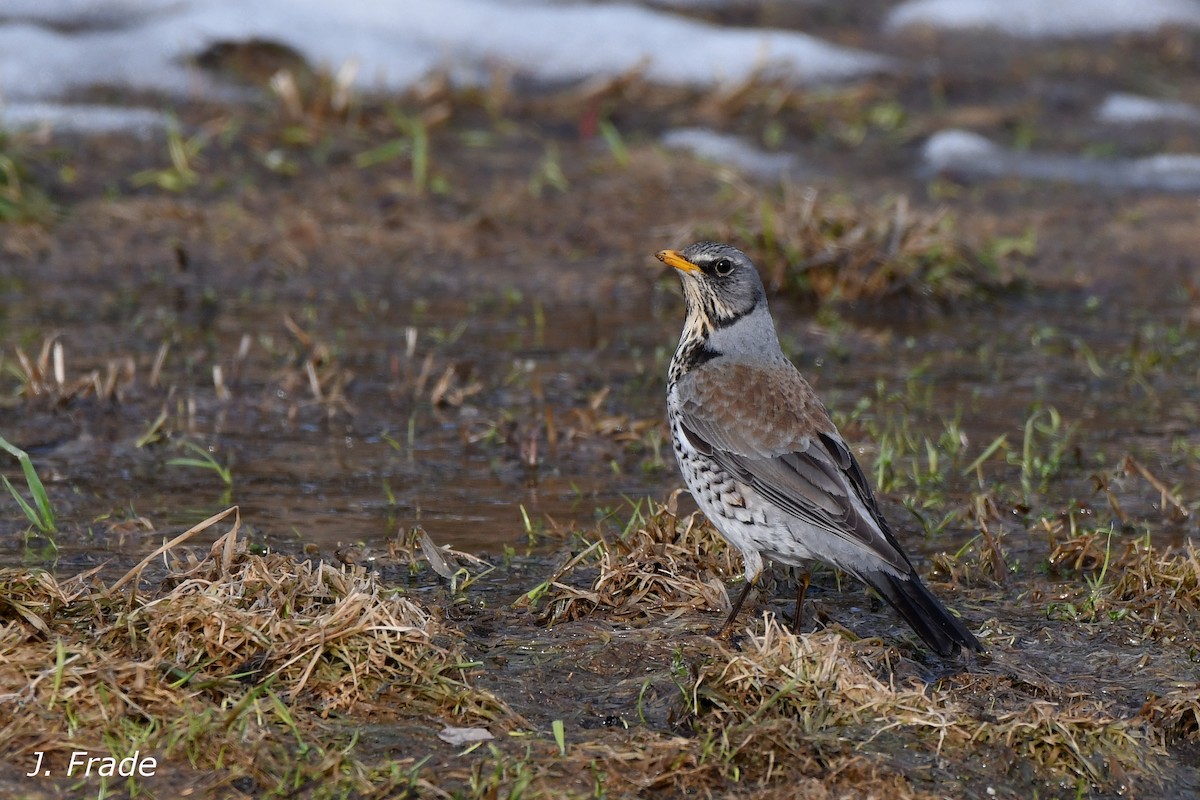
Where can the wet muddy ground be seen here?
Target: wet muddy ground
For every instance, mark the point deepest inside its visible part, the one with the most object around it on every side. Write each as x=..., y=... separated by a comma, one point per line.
x=443, y=311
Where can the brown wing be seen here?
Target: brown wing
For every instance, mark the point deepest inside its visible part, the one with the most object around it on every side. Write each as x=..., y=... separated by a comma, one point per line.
x=788, y=450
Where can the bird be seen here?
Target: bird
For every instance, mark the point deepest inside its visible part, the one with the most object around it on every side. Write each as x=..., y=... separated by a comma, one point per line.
x=764, y=461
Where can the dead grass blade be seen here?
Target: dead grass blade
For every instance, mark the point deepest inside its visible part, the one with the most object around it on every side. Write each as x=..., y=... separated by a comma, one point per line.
x=229, y=539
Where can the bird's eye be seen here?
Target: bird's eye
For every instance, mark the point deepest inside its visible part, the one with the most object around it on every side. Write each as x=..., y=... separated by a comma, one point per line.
x=722, y=266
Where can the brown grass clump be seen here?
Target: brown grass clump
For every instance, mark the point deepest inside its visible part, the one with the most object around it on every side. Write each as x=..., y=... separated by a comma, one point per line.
x=222, y=654
x=824, y=250
x=1136, y=581
x=1075, y=736
x=782, y=694
x=821, y=681
x=45, y=378
x=1176, y=714
x=1153, y=581
x=327, y=636
x=666, y=565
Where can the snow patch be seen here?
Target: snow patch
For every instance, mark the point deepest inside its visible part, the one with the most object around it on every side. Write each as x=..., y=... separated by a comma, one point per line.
x=149, y=44
x=61, y=118
x=969, y=155
x=732, y=150
x=1038, y=19
x=956, y=147
x=1133, y=109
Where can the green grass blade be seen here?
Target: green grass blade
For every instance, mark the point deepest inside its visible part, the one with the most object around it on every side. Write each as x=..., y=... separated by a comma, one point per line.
x=28, y=509
x=560, y=736
x=43, y=516
x=193, y=462
x=205, y=461
x=988, y=452
x=45, y=512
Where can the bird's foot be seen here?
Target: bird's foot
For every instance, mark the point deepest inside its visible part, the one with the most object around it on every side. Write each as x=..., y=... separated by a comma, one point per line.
x=816, y=617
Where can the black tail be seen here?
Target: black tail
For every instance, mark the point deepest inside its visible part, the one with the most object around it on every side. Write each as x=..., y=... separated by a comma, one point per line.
x=936, y=626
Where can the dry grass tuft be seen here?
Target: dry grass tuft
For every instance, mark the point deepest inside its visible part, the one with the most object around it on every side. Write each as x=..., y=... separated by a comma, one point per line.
x=319, y=371
x=1152, y=581
x=1137, y=581
x=220, y=656
x=45, y=378
x=327, y=636
x=826, y=250
x=820, y=680
x=33, y=596
x=1176, y=714
x=664, y=565
x=1077, y=736
x=786, y=693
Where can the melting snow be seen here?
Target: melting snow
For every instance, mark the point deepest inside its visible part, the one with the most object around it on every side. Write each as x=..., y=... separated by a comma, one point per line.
x=81, y=118
x=49, y=50
x=1134, y=109
x=1037, y=19
x=970, y=155
x=732, y=150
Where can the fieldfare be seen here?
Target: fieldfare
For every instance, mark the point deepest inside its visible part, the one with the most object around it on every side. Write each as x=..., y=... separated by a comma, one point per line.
x=762, y=458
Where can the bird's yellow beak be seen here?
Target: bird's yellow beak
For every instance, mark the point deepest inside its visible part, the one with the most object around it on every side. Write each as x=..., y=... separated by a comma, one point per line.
x=673, y=259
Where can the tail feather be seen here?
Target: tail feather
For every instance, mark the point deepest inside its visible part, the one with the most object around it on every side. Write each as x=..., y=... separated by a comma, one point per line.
x=936, y=626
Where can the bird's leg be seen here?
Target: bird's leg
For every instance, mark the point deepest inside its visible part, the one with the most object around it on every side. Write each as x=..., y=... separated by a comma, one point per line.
x=801, y=590
x=737, y=606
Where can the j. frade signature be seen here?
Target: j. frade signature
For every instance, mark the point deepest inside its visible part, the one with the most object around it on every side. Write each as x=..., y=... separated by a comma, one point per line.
x=83, y=764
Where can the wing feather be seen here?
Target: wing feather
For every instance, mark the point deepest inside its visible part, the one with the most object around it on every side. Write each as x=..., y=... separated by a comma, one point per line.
x=790, y=453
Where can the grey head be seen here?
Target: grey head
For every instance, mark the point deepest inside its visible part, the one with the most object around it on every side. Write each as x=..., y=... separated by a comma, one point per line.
x=726, y=302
